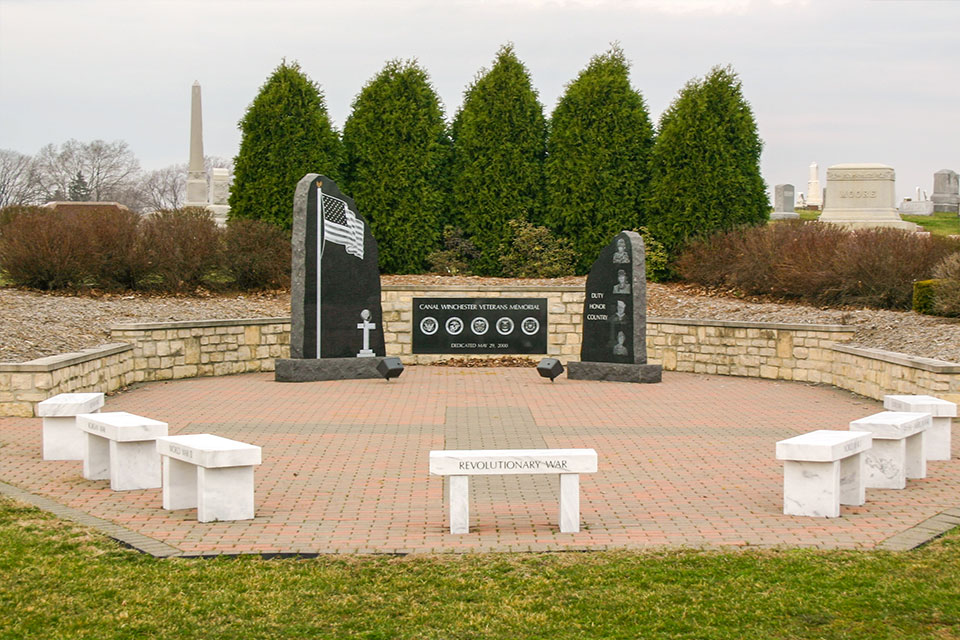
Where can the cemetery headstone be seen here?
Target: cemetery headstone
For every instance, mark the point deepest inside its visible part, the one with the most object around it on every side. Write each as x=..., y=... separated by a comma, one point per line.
x=814, y=198
x=946, y=191
x=861, y=196
x=614, y=343
x=336, y=320
x=783, y=199
x=921, y=205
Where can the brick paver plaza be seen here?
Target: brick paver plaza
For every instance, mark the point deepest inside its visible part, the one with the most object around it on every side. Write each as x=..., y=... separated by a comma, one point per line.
x=688, y=462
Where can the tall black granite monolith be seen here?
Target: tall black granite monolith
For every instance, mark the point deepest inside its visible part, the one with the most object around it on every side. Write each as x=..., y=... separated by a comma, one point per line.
x=614, y=345
x=336, y=319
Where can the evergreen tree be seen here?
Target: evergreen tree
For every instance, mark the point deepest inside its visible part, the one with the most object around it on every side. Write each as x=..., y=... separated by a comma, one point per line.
x=705, y=167
x=286, y=134
x=597, y=161
x=499, y=143
x=395, y=146
x=79, y=189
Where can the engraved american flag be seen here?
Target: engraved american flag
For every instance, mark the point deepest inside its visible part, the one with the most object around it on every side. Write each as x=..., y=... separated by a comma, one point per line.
x=340, y=225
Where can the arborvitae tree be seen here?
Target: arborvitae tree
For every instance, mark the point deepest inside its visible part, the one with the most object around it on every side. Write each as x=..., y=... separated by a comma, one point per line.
x=395, y=145
x=499, y=142
x=597, y=159
x=705, y=167
x=286, y=134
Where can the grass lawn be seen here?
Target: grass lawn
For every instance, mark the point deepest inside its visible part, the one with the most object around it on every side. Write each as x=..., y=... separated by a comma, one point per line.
x=939, y=224
x=59, y=580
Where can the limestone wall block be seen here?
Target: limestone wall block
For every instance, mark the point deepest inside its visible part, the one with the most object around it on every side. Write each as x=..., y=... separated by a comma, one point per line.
x=784, y=344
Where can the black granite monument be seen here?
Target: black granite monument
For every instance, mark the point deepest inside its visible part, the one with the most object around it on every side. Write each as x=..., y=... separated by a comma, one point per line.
x=336, y=319
x=614, y=343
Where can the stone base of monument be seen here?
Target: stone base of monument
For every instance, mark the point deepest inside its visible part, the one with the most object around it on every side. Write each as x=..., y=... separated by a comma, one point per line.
x=784, y=215
x=220, y=212
x=912, y=208
x=313, y=370
x=870, y=224
x=940, y=207
x=614, y=372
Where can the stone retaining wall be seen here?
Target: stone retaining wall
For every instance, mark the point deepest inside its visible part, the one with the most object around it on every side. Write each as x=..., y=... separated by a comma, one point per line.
x=164, y=351
x=170, y=350
x=24, y=384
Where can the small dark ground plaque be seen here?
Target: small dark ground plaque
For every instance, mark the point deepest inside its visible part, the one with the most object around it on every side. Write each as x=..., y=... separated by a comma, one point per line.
x=336, y=319
x=479, y=325
x=615, y=316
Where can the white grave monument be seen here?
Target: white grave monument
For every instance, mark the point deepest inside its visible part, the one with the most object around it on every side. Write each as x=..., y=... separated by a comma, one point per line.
x=861, y=196
x=813, y=187
x=921, y=205
x=198, y=194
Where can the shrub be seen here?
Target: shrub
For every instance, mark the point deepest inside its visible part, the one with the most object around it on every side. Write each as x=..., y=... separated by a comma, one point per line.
x=924, y=295
x=120, y=259
x=948, y=291
x=499, y=145
x=182, y=246
x=705, y=166
x=877, y=267
x=256, y=255
x=534, y=252
x=820, y=264
x=286, y=134
x=656, y=259
x=396, y=146
x=597, y=157
x=47, y=249
x=455, y=257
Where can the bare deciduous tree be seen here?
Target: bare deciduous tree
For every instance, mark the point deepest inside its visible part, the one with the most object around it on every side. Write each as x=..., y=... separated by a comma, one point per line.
x=110, y=170
x=16, y=178
x=164, y=188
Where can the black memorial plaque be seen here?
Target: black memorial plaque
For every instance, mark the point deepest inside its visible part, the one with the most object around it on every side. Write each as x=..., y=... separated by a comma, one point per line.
x=614, y=311
x=336, y=281
x=479, y=325
x=614, y=343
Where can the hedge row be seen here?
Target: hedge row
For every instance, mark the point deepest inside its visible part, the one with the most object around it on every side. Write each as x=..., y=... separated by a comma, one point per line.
x=112, y=249
x=596, y=166
x=819, y=263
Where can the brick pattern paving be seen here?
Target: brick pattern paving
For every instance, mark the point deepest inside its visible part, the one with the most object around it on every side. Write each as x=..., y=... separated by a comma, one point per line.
x=689, y=462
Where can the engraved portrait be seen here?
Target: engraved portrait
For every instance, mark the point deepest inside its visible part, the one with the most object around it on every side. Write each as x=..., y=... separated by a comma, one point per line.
x=622, y=286
x=621, y=256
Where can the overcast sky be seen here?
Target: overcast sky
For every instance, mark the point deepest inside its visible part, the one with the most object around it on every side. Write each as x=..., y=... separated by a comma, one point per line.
x=831, y=81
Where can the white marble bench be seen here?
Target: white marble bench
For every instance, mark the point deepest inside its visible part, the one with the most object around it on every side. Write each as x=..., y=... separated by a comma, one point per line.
x=460, y=465
x=62, y=440
x=208, y=472
x=898, y=450
x=942, y=412
x=822, y=470
x=120, y=446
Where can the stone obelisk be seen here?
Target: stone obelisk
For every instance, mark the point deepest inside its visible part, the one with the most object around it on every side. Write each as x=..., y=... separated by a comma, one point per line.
x=196, y=174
